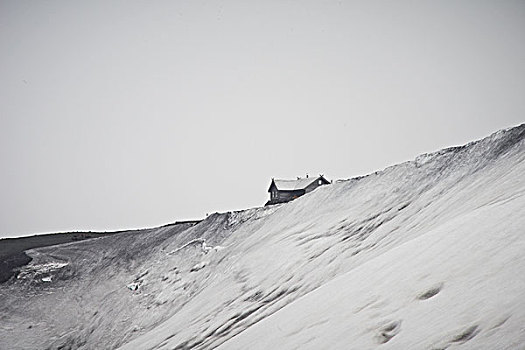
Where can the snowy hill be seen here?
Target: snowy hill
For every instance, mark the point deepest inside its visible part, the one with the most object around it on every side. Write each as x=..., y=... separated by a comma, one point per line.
x=427, y=254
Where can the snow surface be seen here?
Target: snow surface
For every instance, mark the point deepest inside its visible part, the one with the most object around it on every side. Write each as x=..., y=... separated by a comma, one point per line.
x=427, y=254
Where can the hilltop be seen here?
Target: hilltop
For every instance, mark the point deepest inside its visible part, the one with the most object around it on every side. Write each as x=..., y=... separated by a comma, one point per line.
x=426, y=254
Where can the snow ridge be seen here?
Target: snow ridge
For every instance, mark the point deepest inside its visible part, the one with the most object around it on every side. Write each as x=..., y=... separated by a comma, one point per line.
x=424, y=254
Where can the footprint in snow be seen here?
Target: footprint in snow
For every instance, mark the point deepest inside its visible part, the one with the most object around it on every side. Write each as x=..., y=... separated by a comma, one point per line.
x=460, y=338
x=431, y=292
x=388, y=331
x=199, y=266
x=466, y=335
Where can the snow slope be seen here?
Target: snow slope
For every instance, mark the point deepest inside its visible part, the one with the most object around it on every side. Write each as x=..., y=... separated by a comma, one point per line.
x=427, y=254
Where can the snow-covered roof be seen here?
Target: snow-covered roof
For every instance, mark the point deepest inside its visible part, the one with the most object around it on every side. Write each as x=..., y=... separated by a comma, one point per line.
x=292, y=185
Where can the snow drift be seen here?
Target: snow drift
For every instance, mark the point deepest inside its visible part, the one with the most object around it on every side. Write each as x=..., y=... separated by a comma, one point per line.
x=427, y=254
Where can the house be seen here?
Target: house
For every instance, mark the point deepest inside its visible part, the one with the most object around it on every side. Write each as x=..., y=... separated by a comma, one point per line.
x=286, y=190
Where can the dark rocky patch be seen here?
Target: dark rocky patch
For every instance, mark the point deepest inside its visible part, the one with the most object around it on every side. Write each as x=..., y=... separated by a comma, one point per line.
x=12, y=255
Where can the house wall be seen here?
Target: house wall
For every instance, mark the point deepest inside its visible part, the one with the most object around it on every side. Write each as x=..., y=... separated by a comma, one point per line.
x=284, y=196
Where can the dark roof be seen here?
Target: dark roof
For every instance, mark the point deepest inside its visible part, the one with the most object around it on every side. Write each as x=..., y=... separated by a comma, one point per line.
x=295, y=185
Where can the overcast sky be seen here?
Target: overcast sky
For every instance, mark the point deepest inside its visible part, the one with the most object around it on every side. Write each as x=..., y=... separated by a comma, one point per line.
x=131, y=114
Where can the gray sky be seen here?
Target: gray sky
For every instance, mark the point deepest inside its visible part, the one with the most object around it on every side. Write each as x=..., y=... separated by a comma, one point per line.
x=129, y=114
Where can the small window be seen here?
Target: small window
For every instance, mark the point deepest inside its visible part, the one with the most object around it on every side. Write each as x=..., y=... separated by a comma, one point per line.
x=320, y=182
